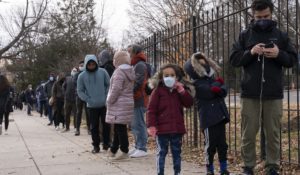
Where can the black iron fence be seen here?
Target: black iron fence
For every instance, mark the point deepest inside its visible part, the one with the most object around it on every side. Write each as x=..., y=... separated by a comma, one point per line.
x=213, y=33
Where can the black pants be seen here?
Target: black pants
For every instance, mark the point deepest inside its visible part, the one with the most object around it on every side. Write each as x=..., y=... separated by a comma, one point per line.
x=59, y=113
x=97, y=115
x=69, y=107
x=215, y=140
x=79, y=106
x=120, y=139
x=6, y=116
x=43, y=108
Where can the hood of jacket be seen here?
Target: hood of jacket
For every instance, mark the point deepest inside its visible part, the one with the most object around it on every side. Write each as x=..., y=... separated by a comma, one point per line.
x=196, y=70
x=139, y=57
x=104, y=57
x=128, y=71
x=90, y=58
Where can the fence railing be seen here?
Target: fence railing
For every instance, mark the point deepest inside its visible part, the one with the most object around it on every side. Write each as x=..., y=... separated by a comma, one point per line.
x=213, y=32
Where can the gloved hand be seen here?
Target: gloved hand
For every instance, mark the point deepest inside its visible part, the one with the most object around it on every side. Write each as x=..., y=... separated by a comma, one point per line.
x=179, y=87
x=152, y=131
x=215, y=89
x=220, y=80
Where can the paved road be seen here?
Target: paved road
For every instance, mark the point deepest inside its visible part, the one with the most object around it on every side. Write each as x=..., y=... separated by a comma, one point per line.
x=292, y=98
x=32, y=148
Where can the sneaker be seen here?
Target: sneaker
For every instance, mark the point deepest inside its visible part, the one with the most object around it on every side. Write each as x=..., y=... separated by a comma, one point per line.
x=111, y=155
x=139, y=153
x=248, y=171
x=0, y=129
x=96, y=150
x=225, y=172
x=122, y=156
x=49, y=123
x=57, y=128
x=210, y=173
x=65, y=130
x=132, y=151
x=77, y=133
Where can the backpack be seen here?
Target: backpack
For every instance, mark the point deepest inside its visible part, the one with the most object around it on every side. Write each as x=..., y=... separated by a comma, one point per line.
x=150, y=73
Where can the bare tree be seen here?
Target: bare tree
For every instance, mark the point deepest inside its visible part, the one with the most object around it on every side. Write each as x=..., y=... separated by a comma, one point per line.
x=25, y=21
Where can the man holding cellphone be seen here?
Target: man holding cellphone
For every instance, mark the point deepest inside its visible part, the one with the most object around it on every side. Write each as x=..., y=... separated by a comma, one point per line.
x=262, y=51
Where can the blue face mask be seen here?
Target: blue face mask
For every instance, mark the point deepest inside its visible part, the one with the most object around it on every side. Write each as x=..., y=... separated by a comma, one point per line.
x=169, y=81
x=264, y=24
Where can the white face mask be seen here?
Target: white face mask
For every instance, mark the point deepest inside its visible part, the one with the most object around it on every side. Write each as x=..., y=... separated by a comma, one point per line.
x=73, y=73
x=51, y=78
x=81, y=68
x=169, y=81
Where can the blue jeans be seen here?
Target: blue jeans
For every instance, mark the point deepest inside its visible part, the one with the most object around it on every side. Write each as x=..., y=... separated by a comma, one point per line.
x=162, y=144
x=139, y=129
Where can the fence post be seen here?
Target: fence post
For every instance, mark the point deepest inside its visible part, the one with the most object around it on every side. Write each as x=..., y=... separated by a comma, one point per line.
x=154, y=52
x=194, y=49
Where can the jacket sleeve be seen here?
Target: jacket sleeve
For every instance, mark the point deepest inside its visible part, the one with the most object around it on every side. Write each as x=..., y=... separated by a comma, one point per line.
x=106, y=82
x=239, y=55
x=186, y=99
x=287, y=56
x=152, y=111
x=81, y=89
x=54, y=90
x=139, y=70
x=116, y=88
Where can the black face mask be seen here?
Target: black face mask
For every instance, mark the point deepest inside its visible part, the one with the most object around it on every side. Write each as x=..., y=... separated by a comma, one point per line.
x=264, y=24
x=92, y=70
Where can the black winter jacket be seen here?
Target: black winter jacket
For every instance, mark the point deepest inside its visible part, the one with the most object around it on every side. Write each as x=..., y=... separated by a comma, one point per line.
x=211, y=106
x=252, y=64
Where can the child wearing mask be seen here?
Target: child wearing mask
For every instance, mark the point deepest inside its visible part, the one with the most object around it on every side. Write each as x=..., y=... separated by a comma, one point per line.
x=165, y=120
x=210, y=94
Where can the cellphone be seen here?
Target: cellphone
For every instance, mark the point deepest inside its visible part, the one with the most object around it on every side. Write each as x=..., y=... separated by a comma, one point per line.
x=270, y=45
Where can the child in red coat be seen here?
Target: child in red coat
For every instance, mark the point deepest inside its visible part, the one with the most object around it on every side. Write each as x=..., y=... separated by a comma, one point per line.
x=165, y=119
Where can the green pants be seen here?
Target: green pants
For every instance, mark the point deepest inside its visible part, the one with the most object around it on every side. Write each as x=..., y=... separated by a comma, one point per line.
x=251, y=120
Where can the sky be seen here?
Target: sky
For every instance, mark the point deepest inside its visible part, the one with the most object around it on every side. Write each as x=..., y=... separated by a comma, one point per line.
x=116, y=19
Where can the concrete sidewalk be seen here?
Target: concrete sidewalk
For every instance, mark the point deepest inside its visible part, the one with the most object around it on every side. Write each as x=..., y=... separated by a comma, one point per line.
x=33, y=148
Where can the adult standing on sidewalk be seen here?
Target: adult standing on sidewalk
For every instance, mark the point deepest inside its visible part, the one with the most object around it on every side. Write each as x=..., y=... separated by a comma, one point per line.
x=42, y=99
x=120, y=103
x=58, y=99
x=48, y=90
x=29, y=96
x=70, y=99
x=92, y=87
x=262, y=51
x=106, y=62
x=4, y=97
x=138, y=125
x=80, y=104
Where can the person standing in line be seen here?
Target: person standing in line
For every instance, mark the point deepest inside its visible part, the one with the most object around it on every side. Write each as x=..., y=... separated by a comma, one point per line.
x=48, y=89
x=58, y=101
x=213, y=113
x=80, y=104
x=70, y=99
x=92, y=87
x=4, y=98
x=30, y=97
x=42, y=99
x=120, y=103
x=165, y=120
x=138, y=125
x=262, y=51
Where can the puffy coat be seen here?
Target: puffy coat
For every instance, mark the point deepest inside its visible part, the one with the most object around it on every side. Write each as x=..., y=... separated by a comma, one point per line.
x=120, y=103
x=165, y=110
x=211, y=106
